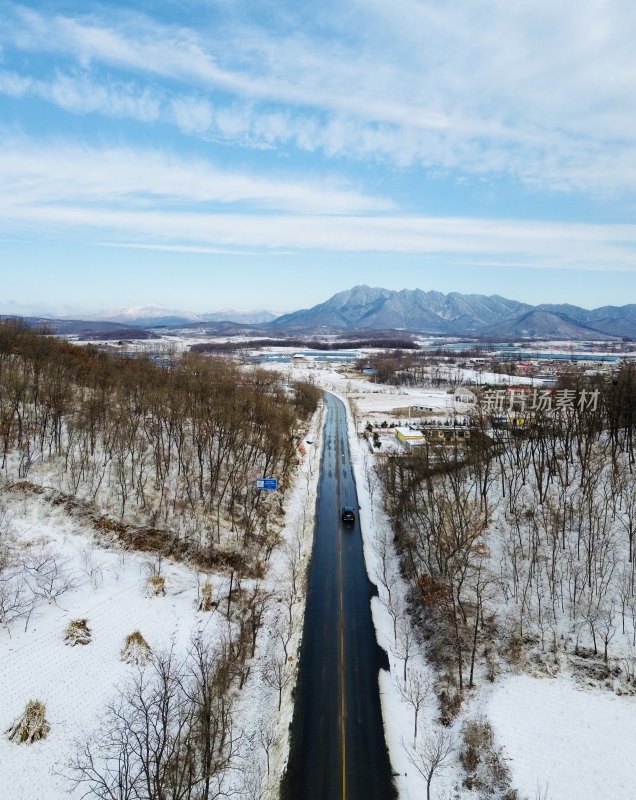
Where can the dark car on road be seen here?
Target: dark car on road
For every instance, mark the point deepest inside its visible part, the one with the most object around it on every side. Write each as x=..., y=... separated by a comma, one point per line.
x=348, y=515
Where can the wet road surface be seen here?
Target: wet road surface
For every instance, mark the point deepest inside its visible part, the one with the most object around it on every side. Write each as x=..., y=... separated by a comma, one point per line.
x=338, y=749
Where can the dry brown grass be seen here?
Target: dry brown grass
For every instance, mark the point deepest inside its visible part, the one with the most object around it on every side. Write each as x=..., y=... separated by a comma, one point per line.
x=77, y=632
x=156, y=585
x=486, y=770
x=32, y=725
x=206, y=600
x=136, y=650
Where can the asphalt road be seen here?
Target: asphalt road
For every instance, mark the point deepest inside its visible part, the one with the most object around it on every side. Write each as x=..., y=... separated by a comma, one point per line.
x=338, y=748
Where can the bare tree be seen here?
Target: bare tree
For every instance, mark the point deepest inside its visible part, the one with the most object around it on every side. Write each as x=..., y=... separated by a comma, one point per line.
x=267, y=738
x=168, y=736
x=607, y=626
x=370, y=477
x=415, y=691
x=283, y=631
x=17, y=600
x=105, y=764
x=277, y=674
x=384, y=573
x=47, y=572
x=430, y=756
x=254, y=783
x=405, y=643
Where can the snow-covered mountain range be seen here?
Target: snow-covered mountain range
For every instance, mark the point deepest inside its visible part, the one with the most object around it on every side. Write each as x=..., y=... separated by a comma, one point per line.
x=364, y=308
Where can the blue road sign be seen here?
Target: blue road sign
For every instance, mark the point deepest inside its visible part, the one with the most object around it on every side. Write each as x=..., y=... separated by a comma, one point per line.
x=268, y=484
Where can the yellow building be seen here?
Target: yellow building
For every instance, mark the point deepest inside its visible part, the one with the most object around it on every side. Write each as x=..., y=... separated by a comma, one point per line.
x=409, y=437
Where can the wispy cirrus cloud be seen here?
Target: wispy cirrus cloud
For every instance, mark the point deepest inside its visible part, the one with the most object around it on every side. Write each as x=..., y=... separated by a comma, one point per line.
x=15, y=85
x=465, y=241
x=153, y=199
x=563, y=166
x=535, y=90
x=192, y=114
x=34, y=174
x=79, y=94
x=144, y=47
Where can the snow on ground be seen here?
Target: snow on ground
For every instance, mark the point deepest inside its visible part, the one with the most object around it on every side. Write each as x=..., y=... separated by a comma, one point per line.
x=76, y=683
x=110, y=591
x=378, y=400
x=568, y=743
x=368, y=397
x=574, y=743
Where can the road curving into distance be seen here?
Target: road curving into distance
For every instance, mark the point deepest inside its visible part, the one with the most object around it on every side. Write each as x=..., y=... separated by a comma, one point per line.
x=338, y=749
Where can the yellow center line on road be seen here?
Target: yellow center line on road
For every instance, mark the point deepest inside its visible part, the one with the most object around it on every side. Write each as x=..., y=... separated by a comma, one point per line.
x=343, y=707
x=343, y=710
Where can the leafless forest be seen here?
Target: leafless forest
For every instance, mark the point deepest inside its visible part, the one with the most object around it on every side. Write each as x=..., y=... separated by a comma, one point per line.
x=521, y=547
x=175, y=449
x=164, y=460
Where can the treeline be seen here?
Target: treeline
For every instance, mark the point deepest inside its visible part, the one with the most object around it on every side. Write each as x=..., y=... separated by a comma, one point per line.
x=260, y=344
x=528, y=545
x=398, y=368
x=178, y=447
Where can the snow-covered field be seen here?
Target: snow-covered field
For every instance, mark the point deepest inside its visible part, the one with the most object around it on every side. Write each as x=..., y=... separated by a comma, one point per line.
x=76, y=682
x=564, y=742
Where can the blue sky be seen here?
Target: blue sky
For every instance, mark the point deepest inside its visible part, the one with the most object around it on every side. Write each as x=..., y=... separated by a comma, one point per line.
x=242, y=153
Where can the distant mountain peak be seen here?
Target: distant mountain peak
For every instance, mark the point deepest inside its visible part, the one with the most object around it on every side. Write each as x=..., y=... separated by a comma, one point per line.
x=368, y=308
x=145, y=315
x=455, y=314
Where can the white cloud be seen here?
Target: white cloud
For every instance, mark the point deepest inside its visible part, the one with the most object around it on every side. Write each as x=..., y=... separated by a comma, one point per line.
x=82, y=96
x=538, y=90
x=14, y=85
x=32, y=174
x=192, y=115
x=151, y=49
x=78, y=94
x=560, y=164
x=466, y=241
